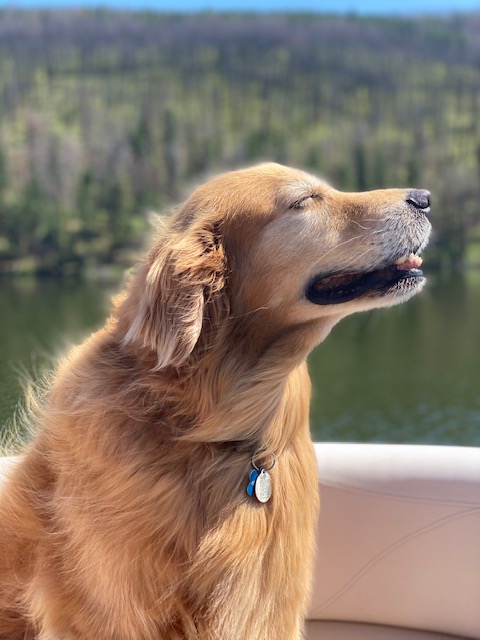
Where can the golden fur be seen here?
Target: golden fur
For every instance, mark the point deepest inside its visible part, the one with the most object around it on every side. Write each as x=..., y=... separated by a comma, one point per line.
x=127, y=517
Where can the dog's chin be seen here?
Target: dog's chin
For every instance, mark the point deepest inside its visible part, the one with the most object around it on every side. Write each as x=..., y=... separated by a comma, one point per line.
x=383, y=287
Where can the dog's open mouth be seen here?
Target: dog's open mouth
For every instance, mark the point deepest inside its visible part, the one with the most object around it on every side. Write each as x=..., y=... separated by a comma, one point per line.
x=402, y=275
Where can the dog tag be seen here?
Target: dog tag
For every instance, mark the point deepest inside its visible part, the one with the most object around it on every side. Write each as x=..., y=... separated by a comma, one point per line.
x=251, y=485
x=263, y=486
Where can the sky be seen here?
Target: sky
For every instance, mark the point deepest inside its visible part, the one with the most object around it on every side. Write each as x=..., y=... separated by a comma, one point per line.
x=361, y=7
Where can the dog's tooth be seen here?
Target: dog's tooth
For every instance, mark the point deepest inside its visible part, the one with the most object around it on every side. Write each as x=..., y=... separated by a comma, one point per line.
x=410, y=261
x=414, y=261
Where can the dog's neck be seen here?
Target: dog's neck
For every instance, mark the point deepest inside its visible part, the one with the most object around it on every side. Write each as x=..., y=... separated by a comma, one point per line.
x=246, y=404
x=232, y=393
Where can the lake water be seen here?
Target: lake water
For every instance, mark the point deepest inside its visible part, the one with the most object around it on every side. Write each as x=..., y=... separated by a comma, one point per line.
x=406, y=374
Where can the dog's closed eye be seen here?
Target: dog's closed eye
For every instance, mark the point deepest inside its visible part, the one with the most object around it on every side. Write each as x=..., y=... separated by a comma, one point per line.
x=304, y=202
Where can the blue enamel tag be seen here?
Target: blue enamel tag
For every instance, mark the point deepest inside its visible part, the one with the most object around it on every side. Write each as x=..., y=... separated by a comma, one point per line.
x=251, y=485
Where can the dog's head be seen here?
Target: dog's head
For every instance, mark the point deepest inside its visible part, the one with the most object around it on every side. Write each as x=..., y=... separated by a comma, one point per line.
x=279, y=248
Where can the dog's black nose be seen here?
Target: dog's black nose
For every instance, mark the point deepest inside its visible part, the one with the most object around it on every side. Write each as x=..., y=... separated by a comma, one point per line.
x=419, y=198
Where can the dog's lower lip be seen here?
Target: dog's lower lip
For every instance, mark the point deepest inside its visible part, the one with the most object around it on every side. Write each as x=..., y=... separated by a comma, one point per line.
x=344, y=287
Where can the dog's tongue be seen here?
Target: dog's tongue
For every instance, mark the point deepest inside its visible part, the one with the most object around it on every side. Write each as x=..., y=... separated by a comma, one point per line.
x=405, y=263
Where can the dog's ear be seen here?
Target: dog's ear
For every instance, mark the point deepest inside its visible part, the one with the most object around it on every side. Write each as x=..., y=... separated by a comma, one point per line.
x=184, y=273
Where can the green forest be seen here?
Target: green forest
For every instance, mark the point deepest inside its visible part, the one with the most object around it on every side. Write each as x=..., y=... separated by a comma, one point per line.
x=108, y=116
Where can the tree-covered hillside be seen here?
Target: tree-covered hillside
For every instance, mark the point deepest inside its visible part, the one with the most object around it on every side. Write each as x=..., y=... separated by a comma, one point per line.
x=104, y=116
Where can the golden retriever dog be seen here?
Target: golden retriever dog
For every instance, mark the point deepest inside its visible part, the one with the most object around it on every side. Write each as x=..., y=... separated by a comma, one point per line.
x=170, y=489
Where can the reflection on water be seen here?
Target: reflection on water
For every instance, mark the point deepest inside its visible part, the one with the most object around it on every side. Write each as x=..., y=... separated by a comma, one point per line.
x=39, y=319
x=406, y=374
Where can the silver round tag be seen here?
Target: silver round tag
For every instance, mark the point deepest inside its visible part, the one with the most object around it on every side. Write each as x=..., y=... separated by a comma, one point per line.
x=263, y=486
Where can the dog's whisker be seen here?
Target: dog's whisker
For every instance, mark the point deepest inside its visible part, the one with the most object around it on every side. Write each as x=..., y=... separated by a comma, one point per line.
x=361, y=226
x=357, y=258
x=248, y=313
x=341, y=244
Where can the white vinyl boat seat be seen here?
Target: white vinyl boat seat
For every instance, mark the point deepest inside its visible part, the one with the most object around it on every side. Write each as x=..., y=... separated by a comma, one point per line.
x=398, y=543
x=318, y=630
